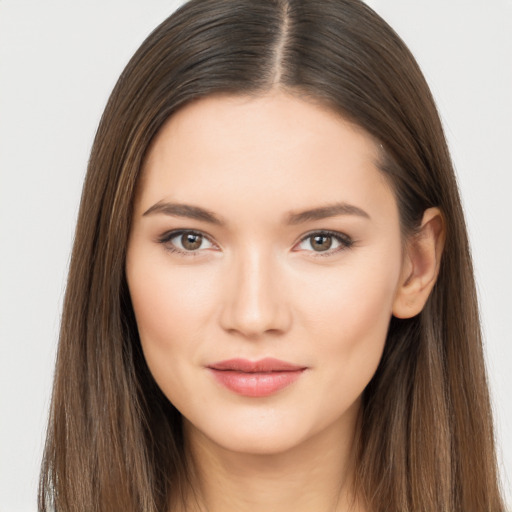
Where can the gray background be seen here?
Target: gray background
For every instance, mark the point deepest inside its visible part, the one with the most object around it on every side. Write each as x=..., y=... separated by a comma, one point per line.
x=58, y=62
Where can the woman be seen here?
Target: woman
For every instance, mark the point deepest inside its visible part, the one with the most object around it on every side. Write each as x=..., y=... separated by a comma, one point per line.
x=270, y=303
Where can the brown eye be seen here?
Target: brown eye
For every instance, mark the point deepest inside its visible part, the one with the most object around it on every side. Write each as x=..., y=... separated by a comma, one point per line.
x=191, y=241
x=188, y=243
x=321, y=242
x=325, y=242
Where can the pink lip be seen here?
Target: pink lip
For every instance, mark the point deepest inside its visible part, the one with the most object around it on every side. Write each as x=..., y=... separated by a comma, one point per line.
x=255, y=378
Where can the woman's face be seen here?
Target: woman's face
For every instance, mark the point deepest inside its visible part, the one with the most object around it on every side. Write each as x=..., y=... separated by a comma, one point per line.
x=263, y=264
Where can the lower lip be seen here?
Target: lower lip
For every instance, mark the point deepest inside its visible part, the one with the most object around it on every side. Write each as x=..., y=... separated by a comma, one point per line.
x=257, y=384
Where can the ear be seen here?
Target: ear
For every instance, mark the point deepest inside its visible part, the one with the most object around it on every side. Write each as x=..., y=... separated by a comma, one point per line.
x=421, y=265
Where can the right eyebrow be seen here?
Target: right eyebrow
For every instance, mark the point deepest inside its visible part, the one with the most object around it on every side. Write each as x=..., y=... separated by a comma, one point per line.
x=184, y=210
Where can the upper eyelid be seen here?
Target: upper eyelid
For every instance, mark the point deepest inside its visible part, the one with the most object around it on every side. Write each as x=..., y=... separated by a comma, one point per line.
x=176, y=232
x=329, y=232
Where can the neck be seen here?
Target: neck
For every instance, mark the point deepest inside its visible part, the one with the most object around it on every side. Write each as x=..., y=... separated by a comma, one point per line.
x=315, y=475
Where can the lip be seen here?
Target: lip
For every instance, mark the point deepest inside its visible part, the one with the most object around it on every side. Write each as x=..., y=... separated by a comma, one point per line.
x=256, y=378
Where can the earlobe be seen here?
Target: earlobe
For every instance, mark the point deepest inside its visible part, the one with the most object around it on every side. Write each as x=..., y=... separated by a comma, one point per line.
x=421, y=265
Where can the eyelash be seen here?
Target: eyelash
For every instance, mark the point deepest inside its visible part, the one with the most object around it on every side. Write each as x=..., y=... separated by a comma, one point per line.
x=345, y=241
x=166, y=238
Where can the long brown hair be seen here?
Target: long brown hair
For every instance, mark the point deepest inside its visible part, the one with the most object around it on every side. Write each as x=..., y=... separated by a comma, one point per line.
x=114, y=441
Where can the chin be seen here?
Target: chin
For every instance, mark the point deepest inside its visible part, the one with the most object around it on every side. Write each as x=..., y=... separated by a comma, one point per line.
x=255, y=443
x=267, y=432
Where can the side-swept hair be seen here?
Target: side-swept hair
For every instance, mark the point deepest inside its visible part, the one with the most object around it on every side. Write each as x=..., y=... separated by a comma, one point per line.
x=114, y=440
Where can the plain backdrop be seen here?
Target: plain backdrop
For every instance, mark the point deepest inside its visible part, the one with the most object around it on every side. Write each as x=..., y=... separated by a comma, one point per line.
x=58, y=63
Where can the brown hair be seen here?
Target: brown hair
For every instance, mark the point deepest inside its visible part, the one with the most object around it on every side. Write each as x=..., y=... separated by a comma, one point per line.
x=114, y=441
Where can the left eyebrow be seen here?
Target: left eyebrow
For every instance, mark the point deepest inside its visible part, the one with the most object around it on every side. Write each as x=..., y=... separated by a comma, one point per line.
x=324, y=212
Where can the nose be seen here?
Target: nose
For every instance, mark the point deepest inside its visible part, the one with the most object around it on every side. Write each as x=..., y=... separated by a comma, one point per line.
x=255, y=302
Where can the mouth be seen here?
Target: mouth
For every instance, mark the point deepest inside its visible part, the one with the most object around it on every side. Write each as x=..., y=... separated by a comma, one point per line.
x=256, y=378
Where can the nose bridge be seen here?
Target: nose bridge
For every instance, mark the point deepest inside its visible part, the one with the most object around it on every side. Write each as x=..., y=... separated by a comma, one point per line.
x=255, y=304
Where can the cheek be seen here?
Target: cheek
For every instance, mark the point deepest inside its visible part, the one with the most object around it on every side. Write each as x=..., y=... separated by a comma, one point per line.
x=348, y=320
x=172, y=306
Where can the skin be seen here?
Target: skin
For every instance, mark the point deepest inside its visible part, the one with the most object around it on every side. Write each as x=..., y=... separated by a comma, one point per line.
x=257, y=286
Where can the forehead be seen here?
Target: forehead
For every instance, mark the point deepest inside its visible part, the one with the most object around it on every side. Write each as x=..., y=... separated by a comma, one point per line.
x=277, y=149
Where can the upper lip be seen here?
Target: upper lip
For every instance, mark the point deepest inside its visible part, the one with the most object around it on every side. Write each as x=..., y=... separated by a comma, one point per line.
x=268, y=364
